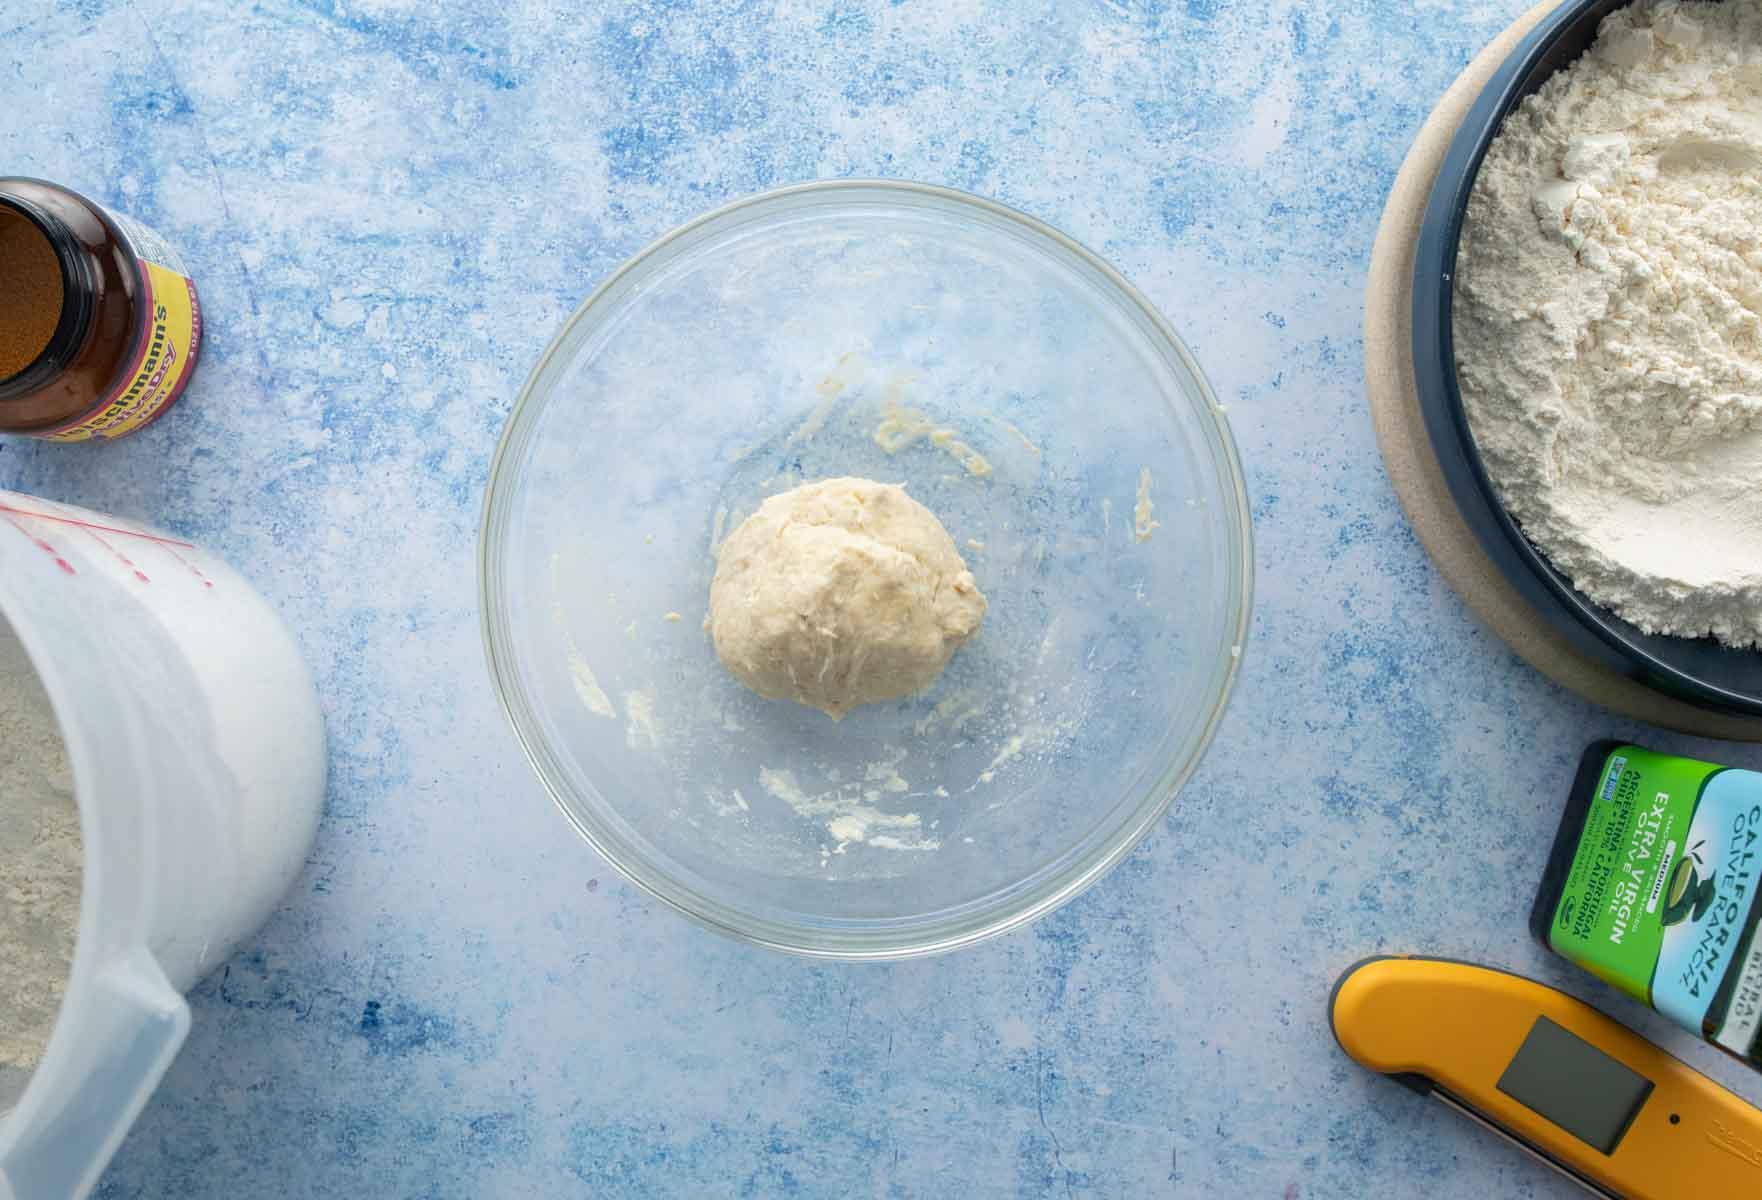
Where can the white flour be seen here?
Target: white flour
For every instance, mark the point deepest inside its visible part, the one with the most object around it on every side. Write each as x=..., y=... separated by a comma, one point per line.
x=39, y=870
x=1609, y=318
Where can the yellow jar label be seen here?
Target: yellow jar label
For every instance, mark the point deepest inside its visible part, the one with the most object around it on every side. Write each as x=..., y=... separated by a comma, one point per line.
x=162, y=363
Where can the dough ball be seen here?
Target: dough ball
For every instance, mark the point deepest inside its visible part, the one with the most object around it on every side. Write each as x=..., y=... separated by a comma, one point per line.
x=841, y=593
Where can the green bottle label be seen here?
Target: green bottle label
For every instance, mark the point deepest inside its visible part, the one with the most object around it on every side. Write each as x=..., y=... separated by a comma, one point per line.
x=1660, y=898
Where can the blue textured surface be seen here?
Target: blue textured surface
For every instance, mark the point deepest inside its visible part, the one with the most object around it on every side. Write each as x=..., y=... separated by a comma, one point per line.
x=390, y=211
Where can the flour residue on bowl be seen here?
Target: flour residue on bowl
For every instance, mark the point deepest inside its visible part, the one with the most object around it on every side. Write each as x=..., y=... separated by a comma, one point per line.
x=901, y=428
x=1024, y=731
x=1027, y=442
x=587, y=687
x=718, y=526
x=640, y=732
x=953, y=711
x=726, y=804
x=848, y=370
x=1012, y=729
x=849, y=811
x=1010, y=750
x=1144, y=523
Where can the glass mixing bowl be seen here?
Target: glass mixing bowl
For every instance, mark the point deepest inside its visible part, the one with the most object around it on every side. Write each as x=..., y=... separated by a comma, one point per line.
x=1018, y=387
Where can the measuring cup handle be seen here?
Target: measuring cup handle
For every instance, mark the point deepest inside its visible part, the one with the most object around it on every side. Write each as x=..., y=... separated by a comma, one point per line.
x=112, y=1044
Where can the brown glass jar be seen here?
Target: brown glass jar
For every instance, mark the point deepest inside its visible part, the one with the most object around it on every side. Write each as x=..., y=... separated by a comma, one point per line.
x=99, y=322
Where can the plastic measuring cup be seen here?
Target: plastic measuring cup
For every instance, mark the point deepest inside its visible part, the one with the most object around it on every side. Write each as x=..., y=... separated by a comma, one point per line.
x=197, y=751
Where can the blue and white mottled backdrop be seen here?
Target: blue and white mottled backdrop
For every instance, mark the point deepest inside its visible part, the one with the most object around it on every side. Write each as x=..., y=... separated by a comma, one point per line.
x=390, y=209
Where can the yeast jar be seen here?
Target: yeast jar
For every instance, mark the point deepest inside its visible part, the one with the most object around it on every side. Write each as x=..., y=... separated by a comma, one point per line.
x=99, y=322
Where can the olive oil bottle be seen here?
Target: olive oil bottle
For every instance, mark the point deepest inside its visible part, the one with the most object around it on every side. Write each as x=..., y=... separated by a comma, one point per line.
x=1652, y=886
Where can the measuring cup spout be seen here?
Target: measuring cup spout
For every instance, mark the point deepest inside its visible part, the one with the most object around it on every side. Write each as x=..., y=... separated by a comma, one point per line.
x=130, y=1024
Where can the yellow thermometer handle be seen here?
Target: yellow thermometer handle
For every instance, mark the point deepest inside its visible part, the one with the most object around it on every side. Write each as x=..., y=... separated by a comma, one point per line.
x=1459, y=1028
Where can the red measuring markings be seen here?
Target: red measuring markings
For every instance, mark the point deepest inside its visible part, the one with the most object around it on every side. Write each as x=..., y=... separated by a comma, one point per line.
x=45, y=547
x=134, y=533
x=96, y=531
x=91, y=531
x=188, y=565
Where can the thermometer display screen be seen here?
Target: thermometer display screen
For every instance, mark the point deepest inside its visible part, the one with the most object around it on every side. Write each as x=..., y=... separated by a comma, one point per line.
x=1575, y=1085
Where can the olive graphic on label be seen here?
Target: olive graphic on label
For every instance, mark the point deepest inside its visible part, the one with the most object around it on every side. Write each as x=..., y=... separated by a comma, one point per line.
x=1704, y=898
x=1681, y=880
x=1688, y=897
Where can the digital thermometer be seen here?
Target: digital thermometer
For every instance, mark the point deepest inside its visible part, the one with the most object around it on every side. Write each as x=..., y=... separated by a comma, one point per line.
x=1583, y=1093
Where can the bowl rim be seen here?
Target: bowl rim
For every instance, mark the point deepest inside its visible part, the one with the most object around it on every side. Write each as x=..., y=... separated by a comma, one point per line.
x=923, y=936
x=1592, y=630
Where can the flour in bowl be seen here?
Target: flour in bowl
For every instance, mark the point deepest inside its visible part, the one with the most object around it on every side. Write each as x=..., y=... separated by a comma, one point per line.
x=1608, y=318
x=40, y=869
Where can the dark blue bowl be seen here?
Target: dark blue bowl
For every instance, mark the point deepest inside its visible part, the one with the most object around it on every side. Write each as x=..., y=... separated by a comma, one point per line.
x=1700, y=671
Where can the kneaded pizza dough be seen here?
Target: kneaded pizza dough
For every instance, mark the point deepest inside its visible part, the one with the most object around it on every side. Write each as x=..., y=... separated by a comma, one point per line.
x=840, y=593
